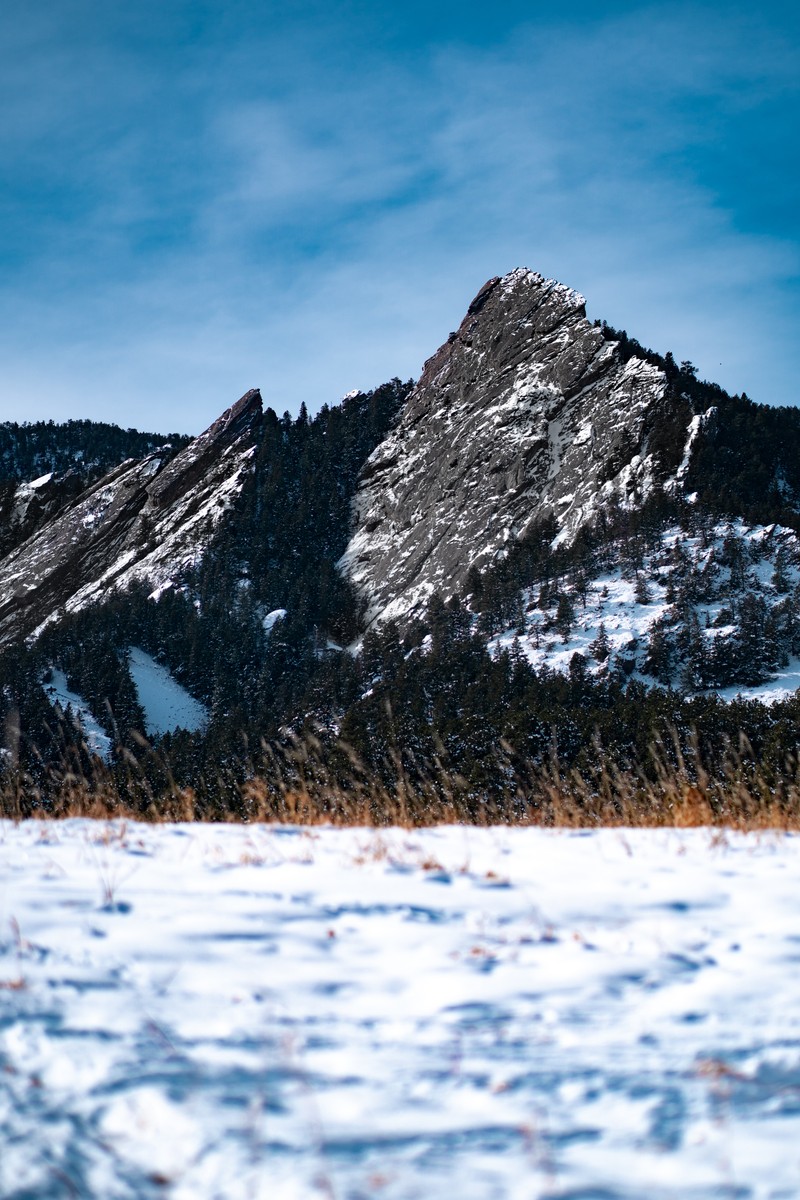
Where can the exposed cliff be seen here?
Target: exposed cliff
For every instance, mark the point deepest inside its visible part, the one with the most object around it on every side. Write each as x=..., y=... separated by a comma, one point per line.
x=527, y=410
x=145, y=520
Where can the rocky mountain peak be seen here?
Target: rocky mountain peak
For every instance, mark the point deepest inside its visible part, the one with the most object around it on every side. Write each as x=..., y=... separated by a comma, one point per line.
x=526, y=411
x=147, y=520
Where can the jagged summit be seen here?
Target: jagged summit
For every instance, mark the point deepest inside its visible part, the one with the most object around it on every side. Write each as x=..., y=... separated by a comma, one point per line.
x=144, y=520
x=527, y=410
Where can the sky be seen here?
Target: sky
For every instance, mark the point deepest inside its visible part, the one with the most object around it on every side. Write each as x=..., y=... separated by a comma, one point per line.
x=202, y=196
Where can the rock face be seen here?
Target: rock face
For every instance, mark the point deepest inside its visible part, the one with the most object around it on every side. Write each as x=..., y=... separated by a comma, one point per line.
x=145, y=520
x=25, y=507
x=526, y=411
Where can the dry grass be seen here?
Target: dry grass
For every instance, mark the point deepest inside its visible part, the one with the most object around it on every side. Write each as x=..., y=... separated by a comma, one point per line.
x=305, y=783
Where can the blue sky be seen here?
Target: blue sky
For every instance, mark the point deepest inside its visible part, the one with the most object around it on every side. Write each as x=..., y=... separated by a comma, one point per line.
x=202, y=197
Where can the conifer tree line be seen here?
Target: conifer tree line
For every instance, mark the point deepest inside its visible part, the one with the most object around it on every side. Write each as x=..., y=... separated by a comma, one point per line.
x=29, y=450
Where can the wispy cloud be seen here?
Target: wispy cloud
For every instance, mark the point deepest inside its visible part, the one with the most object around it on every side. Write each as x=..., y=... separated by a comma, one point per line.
x=189, y=219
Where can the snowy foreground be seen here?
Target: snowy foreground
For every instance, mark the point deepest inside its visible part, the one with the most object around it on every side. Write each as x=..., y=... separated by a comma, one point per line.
x=219, y=1011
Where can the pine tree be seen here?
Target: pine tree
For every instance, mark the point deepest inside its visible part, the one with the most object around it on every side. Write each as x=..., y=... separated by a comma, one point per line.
x=661, y=656
x=600, y=648
x=756, y=656
x=641, y=590
x=692, y=644
x=565, y=615
x=780, y=575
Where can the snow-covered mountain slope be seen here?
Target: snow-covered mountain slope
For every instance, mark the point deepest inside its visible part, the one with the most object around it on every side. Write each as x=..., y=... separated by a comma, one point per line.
x=711, y=610
x=145, y=520
x=528, y=410
x=167, y=705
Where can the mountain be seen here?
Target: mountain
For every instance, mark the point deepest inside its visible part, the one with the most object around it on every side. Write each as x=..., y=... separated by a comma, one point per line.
x=145, y=519
x=526, y=412
x=556, y=535
x=530, y=413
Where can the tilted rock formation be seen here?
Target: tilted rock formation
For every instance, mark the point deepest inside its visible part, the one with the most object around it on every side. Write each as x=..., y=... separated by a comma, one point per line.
x=145, y=520
x=526, y=411
x=25, y=507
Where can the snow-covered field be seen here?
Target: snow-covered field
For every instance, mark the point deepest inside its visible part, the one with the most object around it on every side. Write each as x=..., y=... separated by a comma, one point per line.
x=222, y=1011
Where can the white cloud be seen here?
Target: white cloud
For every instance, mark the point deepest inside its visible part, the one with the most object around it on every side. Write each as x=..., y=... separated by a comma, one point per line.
x=319, y=230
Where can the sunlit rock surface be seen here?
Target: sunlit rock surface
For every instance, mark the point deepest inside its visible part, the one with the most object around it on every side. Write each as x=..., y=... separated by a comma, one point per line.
x=527, y=410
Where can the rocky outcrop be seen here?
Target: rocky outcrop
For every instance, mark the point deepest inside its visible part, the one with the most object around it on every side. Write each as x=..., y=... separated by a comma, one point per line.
x=527, y=410
x=25, y=507
x=145, y=520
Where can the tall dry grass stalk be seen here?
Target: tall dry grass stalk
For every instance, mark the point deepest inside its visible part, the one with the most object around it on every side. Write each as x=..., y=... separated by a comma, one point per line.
x=303, y=782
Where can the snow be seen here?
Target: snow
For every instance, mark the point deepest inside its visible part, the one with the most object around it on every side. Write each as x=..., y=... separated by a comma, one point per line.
x=569, y=296
x=167, y=706
x=58, y=693
x=24, y=494
x=610, y=600
x=583, y=435
x=555, y=435
x=691, y=438
x=35, y=484
x=150, y=467
x=695, y=425
x=163, y=587
x=271, y=619
x=209, y=1011
x=782, y=686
